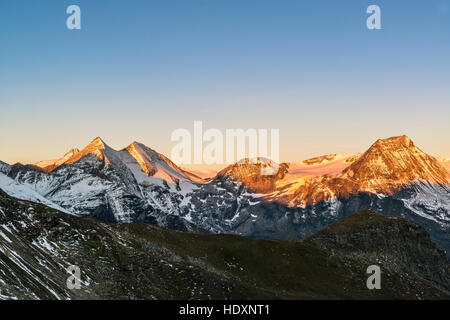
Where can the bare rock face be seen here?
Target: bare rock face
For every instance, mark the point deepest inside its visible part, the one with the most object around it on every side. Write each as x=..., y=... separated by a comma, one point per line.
x=4, y=167
x=387, y=167
x=319, y=160
x=249, y=174
x=390, y=164
x=97, y=147
x=50, y=165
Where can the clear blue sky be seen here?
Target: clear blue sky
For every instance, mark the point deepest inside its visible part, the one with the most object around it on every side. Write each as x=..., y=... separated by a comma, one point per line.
x=137, y=70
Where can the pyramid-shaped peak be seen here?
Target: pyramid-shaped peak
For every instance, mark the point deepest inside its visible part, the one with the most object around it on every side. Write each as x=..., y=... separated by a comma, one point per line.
x=396, y=160
x=398, y=141
x=97, y=142
x=95, y=147
x=156, y=164
x=142, y=149
x=136, y=144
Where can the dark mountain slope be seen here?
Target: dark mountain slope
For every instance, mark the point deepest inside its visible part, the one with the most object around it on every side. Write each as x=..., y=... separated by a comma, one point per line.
x=397, y=245
x=140, y=261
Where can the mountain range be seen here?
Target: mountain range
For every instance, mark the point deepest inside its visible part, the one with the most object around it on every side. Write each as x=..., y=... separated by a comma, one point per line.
x=138, y=184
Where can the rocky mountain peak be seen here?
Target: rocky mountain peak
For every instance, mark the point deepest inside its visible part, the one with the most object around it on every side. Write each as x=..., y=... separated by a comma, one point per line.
x=157, y=165
x=4, y=167
x=398, y=142
x=144, y=159
x=97, y=142
x=95, y=147
x=50, y=165
x=395, y=161
x=248, y=172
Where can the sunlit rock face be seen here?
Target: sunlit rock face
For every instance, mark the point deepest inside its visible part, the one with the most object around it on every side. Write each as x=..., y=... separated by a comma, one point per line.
x=50, y=165
x=387, y=167
x=258, y=175
x=393, y=163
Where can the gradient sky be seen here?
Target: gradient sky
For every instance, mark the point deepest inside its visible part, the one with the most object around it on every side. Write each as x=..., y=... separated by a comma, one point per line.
x=140, y=69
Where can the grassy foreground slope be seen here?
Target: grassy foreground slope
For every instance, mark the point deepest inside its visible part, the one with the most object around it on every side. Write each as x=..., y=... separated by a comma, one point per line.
x=141, y=261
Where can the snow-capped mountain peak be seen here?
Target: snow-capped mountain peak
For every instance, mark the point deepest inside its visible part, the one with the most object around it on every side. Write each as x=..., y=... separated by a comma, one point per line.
x=97, y=147
x=4, y=167
x=144, y=159
x=50, y=165
x=157, y=165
